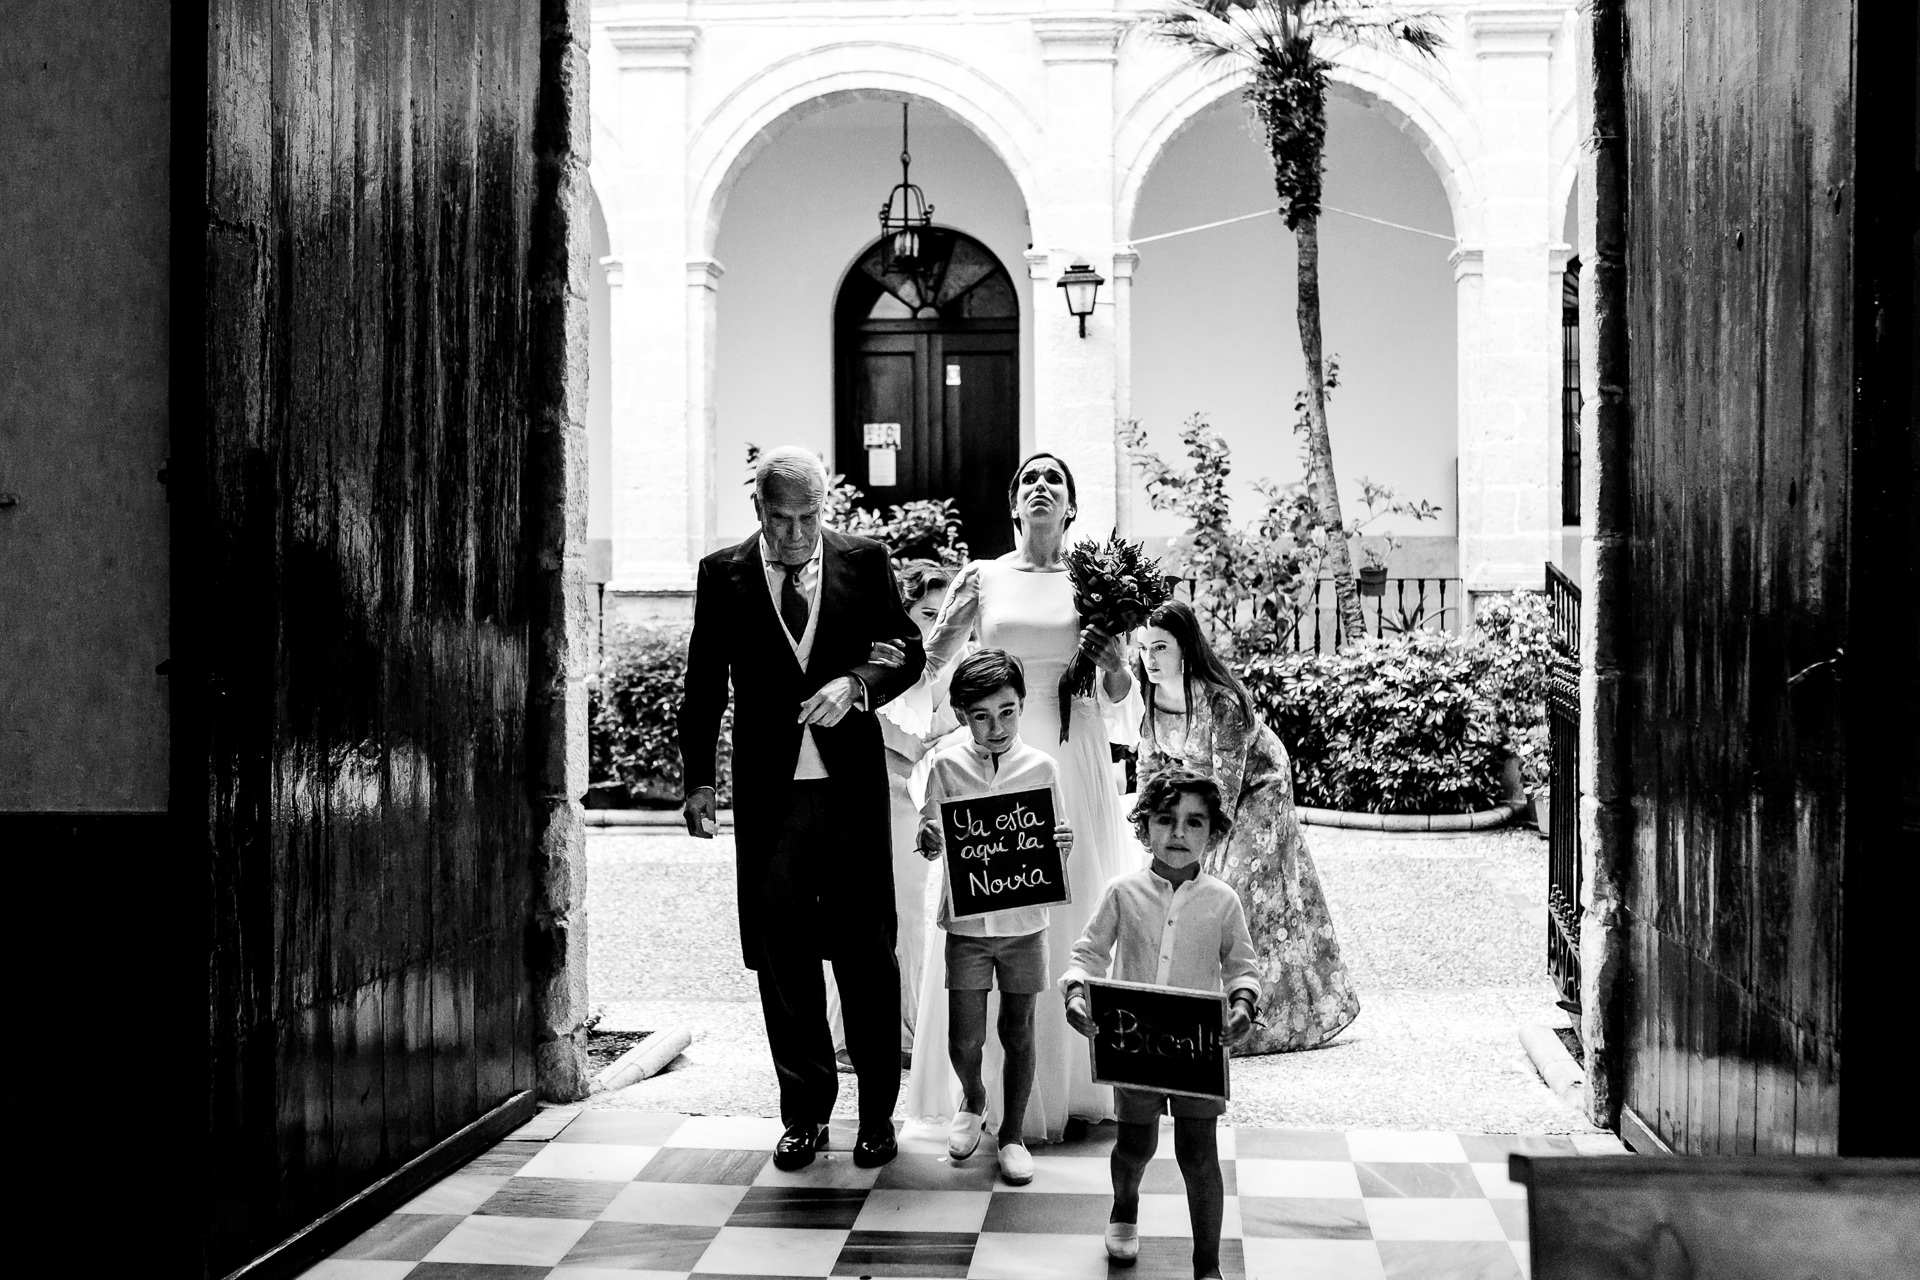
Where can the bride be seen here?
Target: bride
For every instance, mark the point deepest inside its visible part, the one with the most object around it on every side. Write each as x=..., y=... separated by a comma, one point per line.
x=1023, y=603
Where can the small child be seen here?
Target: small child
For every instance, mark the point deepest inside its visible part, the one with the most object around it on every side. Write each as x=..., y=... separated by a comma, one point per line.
x=988, y=691
x=1179, y=817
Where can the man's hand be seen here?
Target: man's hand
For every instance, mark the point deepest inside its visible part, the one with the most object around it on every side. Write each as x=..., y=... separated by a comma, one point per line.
x=1079, y=1017
x=831, y=704
x=886, y=653
x=929, y=840
x=1063, y=836
x=1239, y=1022
x=698, y=809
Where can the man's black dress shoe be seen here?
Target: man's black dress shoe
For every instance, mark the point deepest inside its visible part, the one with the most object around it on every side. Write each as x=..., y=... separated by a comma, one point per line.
x=875, y=1145
x=797, y=1145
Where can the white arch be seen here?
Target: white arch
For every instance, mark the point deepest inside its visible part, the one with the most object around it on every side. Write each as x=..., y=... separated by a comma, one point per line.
x=1564, y=164
x=757, y=111
x=604, y=166
x=1417, y=102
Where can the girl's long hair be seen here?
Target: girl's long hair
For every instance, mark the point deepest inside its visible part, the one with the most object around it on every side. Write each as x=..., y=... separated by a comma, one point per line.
x=1198, y=661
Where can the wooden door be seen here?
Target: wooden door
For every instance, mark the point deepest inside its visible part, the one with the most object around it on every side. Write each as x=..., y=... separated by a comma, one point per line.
x=947, y=372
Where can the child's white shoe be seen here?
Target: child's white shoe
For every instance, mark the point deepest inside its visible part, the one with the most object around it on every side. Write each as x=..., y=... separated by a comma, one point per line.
x=1016, y=1164
x=964, y=1134
x=1123, y=1242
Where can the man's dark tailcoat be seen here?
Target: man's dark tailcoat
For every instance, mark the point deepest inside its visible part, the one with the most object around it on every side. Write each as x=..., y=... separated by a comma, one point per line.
x=738, y=634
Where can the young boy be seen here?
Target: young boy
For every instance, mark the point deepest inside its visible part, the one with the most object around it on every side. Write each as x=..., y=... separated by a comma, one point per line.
x=988, y=691
x=1179, y=818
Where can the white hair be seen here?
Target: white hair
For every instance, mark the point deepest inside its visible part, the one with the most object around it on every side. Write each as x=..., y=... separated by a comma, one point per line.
x=793, y=468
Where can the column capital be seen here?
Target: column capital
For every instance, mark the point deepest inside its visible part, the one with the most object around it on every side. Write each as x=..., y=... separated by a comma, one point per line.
x=649, y=46
x=1558, y=256
x=1039, y=264
x=704, y=273
x=1467, y=260
x=1124, y=263
x=616, y=271
x=1077, y=38
x=1515, y=30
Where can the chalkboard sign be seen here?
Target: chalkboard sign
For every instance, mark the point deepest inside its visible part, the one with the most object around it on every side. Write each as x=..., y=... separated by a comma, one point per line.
x=1001, y=853
x=1168, y=1039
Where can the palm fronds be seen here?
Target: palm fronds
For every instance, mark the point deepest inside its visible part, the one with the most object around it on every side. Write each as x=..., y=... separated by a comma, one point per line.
x=1253, y=32
x=1286, y=46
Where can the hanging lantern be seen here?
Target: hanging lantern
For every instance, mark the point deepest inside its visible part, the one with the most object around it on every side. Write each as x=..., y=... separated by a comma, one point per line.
x=903, y=219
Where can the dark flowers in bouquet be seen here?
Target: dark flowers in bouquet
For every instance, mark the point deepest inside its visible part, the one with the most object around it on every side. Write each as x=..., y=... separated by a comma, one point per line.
x=1116, y=584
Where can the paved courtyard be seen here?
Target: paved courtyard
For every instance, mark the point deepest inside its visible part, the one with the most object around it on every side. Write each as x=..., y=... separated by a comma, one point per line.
x=1379, y=1158
x=591, y=1194
x=1443, y=935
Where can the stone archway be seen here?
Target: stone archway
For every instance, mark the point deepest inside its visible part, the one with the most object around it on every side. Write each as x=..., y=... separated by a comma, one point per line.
x=1414, y=100
x=749, y=119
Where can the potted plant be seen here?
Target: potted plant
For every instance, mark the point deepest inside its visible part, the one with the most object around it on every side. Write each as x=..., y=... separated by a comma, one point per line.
x=1381, y=500
x=1373, y=573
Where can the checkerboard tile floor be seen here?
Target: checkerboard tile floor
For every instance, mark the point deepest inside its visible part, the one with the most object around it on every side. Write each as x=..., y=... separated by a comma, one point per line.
x=595, y=1195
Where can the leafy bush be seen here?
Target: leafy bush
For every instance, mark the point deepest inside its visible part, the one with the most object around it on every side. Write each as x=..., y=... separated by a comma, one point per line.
x=1518, y=632
x=1252, y=582
x=1420, y=723
x=1242, y=576
x=634, y=742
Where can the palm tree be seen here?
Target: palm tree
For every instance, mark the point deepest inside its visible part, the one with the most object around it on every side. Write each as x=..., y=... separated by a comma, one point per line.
x=1283, y=43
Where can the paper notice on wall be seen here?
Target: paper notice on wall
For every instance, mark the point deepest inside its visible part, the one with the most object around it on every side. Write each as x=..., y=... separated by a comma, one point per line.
x=953, y=375
x=882, y=435
x=881, y=468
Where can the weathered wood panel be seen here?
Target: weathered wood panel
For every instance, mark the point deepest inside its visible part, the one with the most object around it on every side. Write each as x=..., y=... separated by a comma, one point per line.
x=1742, y=177
x=1614, y=1218
x=369, y=192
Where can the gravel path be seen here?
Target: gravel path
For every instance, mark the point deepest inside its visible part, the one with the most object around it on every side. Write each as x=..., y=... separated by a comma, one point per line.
x=1443, y=935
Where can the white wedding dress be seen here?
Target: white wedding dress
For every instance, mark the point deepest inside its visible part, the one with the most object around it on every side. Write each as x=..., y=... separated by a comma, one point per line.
x=1030, y=614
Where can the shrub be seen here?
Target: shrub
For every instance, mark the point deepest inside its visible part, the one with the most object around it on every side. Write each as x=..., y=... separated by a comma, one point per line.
x=634, y=740
x=1250, y=583
x=1420, y=723
x=1518, y=632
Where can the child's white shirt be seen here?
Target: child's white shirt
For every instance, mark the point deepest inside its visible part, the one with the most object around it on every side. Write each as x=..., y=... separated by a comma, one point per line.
x=963, y=768
x=1147, y=929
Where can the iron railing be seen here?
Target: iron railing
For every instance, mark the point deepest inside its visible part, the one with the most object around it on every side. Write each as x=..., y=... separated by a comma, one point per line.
x=1408, y=604
x=1563, y=815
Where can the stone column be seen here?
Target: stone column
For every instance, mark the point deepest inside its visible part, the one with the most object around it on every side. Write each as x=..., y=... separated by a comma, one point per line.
x=1125, y=263
x=556, y=523
x=655, y=438
x=1073, y=219
x=703, y=289
x=1509, y=478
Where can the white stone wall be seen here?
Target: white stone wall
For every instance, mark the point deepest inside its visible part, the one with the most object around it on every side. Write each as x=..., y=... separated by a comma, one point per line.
x=687, y=92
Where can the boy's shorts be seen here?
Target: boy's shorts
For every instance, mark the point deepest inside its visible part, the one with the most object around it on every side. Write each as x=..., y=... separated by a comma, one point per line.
x=1146, y=1106
x=1020, y=962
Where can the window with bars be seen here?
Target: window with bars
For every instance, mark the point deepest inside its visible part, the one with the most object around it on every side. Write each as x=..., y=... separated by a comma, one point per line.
x=1570, y=393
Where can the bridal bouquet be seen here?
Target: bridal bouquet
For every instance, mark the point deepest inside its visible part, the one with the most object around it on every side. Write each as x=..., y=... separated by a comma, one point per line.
x=1116, y=584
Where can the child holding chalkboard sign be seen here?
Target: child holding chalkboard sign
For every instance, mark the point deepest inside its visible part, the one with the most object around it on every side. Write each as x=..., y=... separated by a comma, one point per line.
x=1169, y=925
x=1008, y=946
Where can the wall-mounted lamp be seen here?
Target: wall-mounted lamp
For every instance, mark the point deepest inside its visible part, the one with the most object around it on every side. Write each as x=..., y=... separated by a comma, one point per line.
x=1082, y=284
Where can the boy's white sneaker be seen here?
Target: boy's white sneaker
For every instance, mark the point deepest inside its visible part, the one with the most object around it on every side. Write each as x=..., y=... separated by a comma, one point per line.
x=963, y=1137
x=1016, y=1164
x=1123, y=1242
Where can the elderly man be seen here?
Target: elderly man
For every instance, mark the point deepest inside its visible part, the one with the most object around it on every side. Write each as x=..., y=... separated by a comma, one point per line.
x=792, y=615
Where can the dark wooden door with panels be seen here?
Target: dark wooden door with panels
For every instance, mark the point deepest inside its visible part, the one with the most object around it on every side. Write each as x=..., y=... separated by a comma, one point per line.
x=927, y=384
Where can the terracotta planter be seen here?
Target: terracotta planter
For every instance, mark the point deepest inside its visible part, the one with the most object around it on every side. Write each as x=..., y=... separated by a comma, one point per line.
x=1373, y=581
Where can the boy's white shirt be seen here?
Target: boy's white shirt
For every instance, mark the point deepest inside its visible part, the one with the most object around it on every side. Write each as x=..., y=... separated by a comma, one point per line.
x=1146, y=929
x=964, y=768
